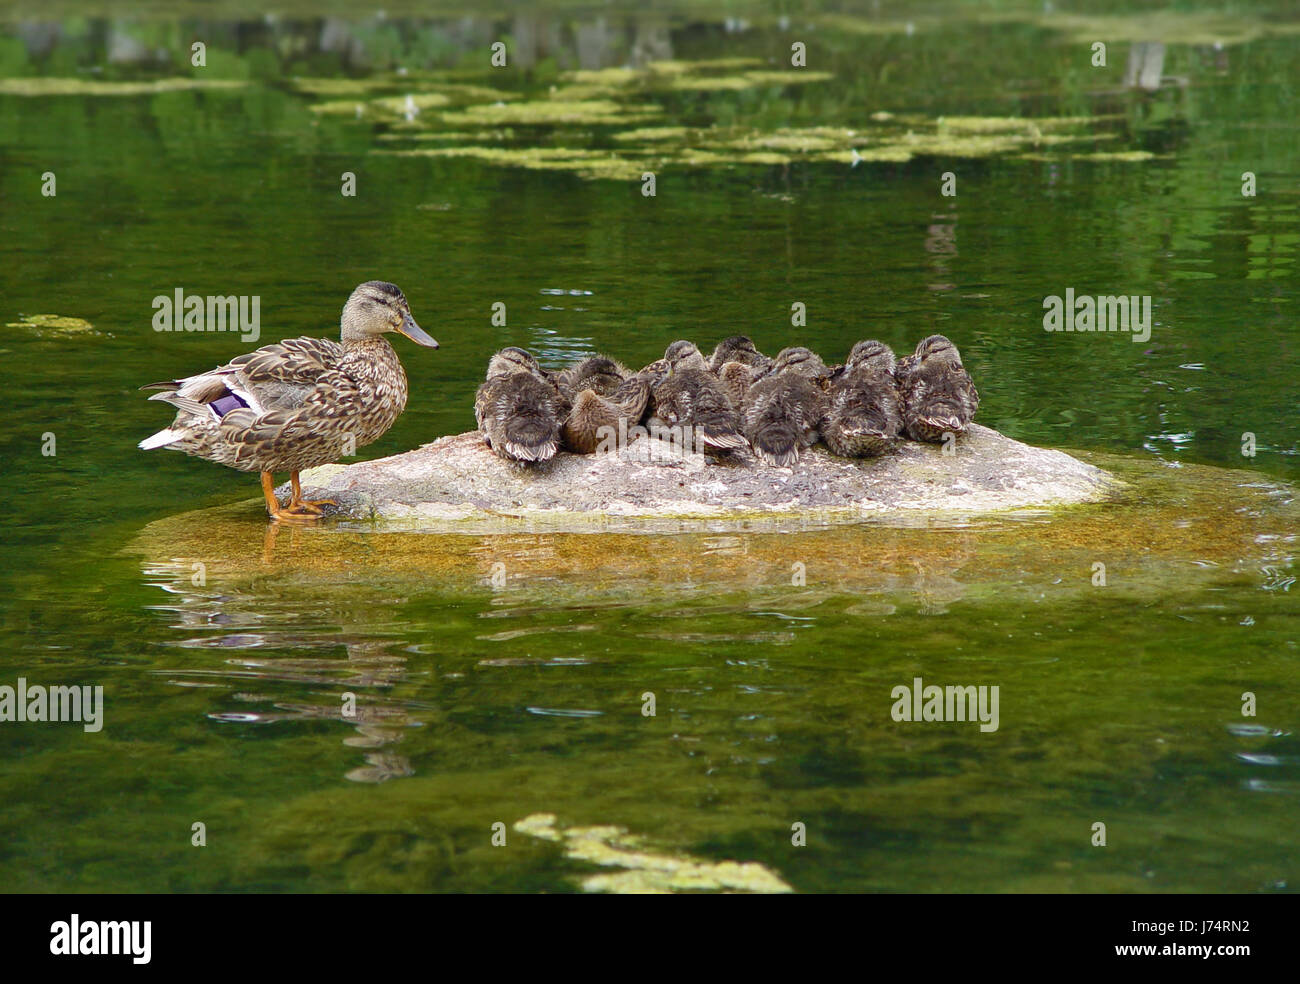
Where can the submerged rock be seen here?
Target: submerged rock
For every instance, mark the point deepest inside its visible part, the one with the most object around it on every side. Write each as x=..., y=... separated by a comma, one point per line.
x=458, y=480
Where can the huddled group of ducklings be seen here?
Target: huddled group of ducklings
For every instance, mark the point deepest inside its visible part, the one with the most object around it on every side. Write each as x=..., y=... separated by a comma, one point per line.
x=737, y=398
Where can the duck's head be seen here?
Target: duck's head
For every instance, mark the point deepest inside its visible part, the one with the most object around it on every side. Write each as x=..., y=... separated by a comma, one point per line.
x=510, y=360
x=803, y=361
x=683, y=355
x=937, y=349
x=738, y=348
x=376, y=307
x=870, y=354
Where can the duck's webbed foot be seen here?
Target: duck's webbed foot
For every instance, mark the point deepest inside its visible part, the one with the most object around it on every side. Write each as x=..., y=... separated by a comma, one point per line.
x=309, y=507
x=291, y=512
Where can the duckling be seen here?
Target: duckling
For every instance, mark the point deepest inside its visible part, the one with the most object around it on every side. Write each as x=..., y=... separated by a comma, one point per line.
x=584, y=429
x=738, y=348
x=598, y=373
x=518, y=409
x=299, y=403
x=938, y=394
x=736, y=379
x=803, y=361
x=691, y=396
x=781, y=414
x=864, y=413
x=682, y=354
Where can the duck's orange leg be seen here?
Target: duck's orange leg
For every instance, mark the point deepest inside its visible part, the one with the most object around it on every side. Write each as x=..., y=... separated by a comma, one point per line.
x=285, y=514
x=299, y=504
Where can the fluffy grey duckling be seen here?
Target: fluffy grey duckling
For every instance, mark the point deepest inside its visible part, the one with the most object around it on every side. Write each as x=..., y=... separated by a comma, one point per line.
x=803, y=362
x=592, y=412
x=691, y=396
x=736, y=379
x=781, y=415
x=938, y=394
x=738, y=348
x=598, y=372
x=519, y=410
x=864, y=415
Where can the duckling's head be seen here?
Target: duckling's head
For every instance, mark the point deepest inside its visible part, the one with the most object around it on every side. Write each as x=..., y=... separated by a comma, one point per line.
x=512, y=359
x=376, y=307
x=937, y=349
x=684, y=355
x=803, y=361
x=737, y=348
x=871, y=354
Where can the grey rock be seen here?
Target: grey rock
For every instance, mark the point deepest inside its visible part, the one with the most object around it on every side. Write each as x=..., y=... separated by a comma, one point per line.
x=456, y=483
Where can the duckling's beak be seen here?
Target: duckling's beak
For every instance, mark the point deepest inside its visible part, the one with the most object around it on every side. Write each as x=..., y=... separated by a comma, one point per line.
x=415, y=333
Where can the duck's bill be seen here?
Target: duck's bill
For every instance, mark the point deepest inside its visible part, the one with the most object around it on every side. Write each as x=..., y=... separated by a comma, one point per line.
x=416, y=334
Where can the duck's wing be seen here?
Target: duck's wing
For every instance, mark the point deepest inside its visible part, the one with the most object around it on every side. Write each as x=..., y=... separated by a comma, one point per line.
x=280, y=376
x=322, y=419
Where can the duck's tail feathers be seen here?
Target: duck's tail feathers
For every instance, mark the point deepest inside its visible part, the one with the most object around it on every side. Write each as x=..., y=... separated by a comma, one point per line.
x=950, y=424
x=530, y=439
x=531, y=453
x=856, y=440
x=777, y=445
x=721, y=434
x=162, y=439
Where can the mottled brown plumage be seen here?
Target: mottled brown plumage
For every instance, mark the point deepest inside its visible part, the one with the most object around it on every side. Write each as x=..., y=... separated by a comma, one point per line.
x=781, y=414
x=298, y=403
x=599, y=373
x=597, y=420
x=736, y=379
x=864, y=413
x=691, y=396
x=519, y=409
x=738, y=348
x=803, y=362
x=938, y=395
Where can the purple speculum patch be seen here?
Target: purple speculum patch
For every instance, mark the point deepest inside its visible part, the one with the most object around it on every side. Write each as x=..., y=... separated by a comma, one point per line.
x=227, y=403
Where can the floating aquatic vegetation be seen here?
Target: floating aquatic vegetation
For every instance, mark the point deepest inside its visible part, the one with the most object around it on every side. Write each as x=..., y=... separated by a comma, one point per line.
x=1170, y=26
x=1095, y=155
x=53, y=325
x=391, y=107
x=552, y=112
x=652, y=134
x=789, y=77
x=711, y=83
x=1014, y=124
x=583, y=163
x=602, y=76
x=53, y=86
x=673, y=67
x=657, y=147
x=445, y=136
x=745, y=80
x=647, y=871
x=341, y=87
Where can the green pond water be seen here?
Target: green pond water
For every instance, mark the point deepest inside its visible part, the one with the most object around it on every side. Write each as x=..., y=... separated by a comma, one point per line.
x=498, y=678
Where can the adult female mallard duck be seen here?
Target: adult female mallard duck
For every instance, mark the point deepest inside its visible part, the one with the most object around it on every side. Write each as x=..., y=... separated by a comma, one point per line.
x=299, y=403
